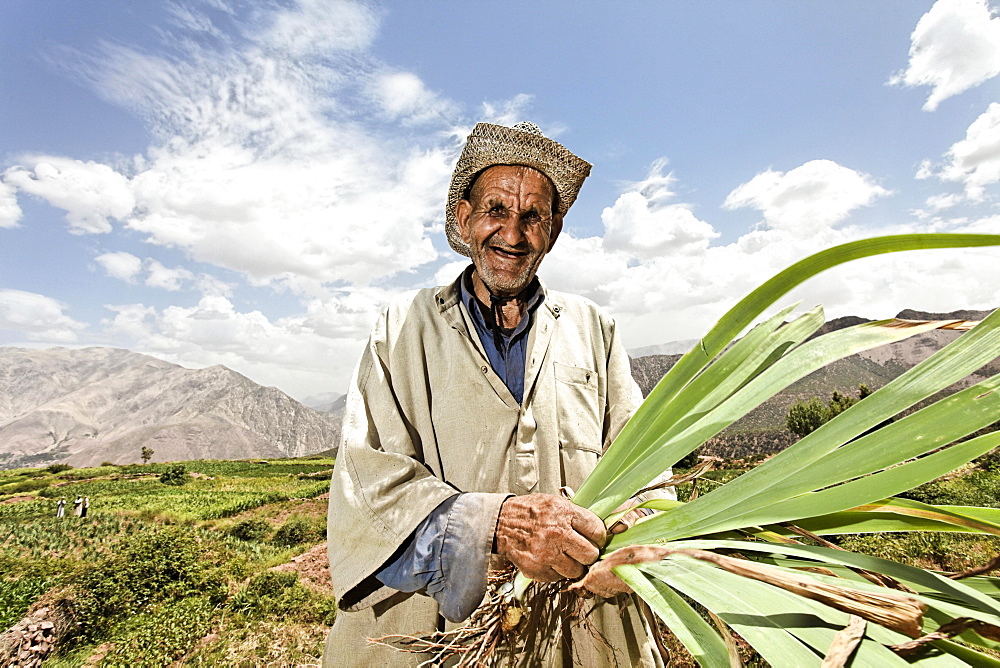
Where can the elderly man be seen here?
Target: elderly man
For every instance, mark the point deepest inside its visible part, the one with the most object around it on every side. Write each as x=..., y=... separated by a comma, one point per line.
x=471, y=407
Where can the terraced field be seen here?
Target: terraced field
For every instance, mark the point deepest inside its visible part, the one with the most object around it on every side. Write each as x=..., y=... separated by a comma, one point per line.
x=188, y=561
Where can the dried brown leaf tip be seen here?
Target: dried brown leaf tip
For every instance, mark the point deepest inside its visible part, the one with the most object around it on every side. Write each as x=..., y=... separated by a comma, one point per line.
x=891, y=609
x=954, y=325
x=844, y=643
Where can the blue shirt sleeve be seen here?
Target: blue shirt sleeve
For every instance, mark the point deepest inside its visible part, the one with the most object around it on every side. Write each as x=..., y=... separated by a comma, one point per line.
x=448, y=554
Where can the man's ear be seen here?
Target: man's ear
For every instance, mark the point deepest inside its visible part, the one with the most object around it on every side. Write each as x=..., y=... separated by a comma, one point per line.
x=463, y=209
x=557, y=221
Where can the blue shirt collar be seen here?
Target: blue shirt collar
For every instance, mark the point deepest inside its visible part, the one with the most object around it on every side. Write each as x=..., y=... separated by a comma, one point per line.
x=535, y=297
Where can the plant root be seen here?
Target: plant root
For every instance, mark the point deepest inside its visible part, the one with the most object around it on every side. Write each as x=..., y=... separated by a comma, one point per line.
x=502, y=627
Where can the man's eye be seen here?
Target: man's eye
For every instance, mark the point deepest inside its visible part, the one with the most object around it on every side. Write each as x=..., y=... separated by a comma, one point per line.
x=497, y=210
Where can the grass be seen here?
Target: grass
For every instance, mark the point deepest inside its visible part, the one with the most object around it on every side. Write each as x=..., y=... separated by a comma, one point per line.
x=216, y=601
x=155, y=571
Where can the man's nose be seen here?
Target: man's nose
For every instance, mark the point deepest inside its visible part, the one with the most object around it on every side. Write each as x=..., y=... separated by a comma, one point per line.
x=512, y=230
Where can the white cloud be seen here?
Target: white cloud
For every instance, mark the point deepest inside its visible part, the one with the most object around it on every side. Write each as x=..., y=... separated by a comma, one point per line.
x=304, y=354
x=674, y=295
x=955, y=46
x=403, y=96
x=681, y=297
x=38, y=317
x=261, y=165
x=317, y=27
x=643, y=226
x=192, y=20
x=815, y=196
x=342, y=218
x=129, y=268
x=165, y=277
x=91, y=193
x=281, y=153
x=941, y=202
x=123, y=266
x=561, y=269
x=10, y=212
x=347, y=315
x=447, y=273
x=506, y=112
x=974, y=161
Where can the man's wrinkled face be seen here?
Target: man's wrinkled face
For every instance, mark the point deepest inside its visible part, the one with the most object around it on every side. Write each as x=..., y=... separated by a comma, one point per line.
x=509, y=224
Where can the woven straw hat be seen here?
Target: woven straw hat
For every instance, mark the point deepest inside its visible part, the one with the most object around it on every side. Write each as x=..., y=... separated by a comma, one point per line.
x=524, y=144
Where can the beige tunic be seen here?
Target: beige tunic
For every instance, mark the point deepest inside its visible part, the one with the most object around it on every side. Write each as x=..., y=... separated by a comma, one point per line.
x=426, y=416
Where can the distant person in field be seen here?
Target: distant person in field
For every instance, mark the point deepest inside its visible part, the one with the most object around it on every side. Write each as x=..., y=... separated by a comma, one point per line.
x=78, y=506
x=61, y=507
x=472, y=405
x=85, y=506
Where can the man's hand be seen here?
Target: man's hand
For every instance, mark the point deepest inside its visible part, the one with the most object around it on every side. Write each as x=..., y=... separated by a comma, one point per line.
x=602, y=581
x=628, y=519
x=547, y=537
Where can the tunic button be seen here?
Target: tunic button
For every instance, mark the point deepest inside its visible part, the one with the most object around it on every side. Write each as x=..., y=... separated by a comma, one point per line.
x=484, y=369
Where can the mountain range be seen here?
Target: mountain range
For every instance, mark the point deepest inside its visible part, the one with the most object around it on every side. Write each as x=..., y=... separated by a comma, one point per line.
x=91, y=405
x=763, y=429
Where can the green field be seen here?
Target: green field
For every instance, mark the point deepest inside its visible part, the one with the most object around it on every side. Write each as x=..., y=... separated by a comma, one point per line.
x=197, y=573
x=160, y=572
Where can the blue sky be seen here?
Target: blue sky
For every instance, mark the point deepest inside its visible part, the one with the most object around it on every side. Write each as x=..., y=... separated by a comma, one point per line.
x=245, y=183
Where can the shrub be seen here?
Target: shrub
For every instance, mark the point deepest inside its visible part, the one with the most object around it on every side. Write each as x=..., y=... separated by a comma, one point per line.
x=17, y=595
x=978, y=488
x=161, y=634
x=58, y=468
x=297, y=530
x=253, y=528
x=152, y=566
x=806, y=417
x=175, y=475
x=279, y=594
x=271, y=583
x=24, y=486
x=108, y=464
x=687, y=461
x=255, y=597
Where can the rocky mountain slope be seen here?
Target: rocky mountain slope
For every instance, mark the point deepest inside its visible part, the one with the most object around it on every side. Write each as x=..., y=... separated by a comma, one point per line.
x=91, y=405
x=765, y=426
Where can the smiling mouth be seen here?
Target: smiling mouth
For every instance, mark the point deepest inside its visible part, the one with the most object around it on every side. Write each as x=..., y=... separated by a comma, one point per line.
x=508, y=253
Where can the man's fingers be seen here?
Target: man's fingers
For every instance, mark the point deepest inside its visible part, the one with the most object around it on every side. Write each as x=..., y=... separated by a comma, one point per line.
x=617, y=528
x=605, y=583
x=589, y=525
x=569, y=568
x=626, y=521
x=581, y=550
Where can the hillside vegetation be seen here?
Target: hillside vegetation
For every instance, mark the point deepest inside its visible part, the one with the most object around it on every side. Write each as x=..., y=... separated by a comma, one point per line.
x=763, y=431
x=222, y=563
x=204, y=562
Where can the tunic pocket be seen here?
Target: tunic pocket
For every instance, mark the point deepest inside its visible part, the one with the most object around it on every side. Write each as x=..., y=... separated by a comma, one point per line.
x=579, y=413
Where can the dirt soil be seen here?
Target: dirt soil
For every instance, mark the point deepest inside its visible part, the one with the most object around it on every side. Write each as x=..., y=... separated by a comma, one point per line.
x=15, y=499
x=312, y=567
